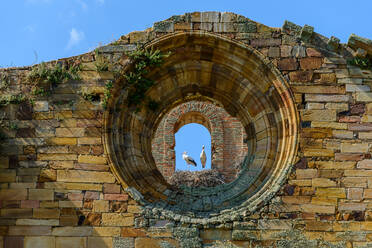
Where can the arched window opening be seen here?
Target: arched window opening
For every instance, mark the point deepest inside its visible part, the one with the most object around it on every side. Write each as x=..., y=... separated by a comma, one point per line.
x=191, y=138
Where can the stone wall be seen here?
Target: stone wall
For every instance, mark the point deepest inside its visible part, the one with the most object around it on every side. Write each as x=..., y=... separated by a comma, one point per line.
x=61, y=187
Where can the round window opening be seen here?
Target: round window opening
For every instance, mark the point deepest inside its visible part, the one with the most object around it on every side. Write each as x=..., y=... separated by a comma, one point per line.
x=205, y=70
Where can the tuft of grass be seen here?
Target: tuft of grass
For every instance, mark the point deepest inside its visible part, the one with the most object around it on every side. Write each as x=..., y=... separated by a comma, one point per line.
x=13, y=126
x=4, y=81
x=142, y=60
x=363, y=63
x=89, y=95
x=53, y=74
x=101, y=62
x=107, y=93
x=11, y=99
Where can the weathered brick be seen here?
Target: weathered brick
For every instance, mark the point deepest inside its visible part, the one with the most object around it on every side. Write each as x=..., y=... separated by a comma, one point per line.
x=289, y=64
x=29, y=230
x=354, y=182
x=85, y=176
x=323, y=182
x=61, y=141
x=318, y=153
x=100, y=206
x=349, y=206
x=117, y=219
x=78, y=242
x=354, y=148
x=116, y=197
x=326, y=98
x=41, y=194
x=41, y=241
x=311, y=89
x=45, y=213
x=331, y=192
x=320, y=209
x=69, y=231
x=306, y=173
x=301, y=76
x=13, y=194
x=87, y=159
x=70, y=132
x=311, y=63
x=106, y=231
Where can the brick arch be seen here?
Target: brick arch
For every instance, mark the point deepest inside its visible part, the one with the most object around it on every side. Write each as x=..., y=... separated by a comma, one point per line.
x=227, y=136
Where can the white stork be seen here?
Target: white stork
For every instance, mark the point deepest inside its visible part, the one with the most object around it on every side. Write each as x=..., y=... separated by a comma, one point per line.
x=203, y=157
x=188, y=159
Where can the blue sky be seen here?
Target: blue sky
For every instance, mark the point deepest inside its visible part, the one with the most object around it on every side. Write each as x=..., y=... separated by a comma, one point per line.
x=41, y=30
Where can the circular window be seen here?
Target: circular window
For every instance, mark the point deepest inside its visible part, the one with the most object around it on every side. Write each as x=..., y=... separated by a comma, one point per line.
x=207, y=68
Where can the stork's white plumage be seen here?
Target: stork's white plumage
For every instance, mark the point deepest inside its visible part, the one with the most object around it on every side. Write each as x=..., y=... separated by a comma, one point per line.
x=188, y=159
x=203, y=157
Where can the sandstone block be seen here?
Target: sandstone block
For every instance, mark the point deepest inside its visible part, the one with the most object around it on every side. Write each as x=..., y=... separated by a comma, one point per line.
x=354, y=182
x=301, y=76
x=70, y=204
x=331, y=192
x=324, y=201
x=354, y=148
x=85, y=176
x=348, y=156
x=117, y=219
x=69, y=231
x=348, y=206
x=363, y=96
x=320, y=209
x=323, y=182
x=355, y=193
x=13, y=194
x=116, y=197
x=29, y=230
x=311, y=89
x=57, y=157
x=313, y=225
x=100, y=206
x=318, y=115
x=41, y=241
x=87, y=159
x=311, y=63
x=326, y=98
x=288, y=64
x=99, y=242
x=71, y=242
x=45, y=213
x=306, y=173
x=61, y=141
x=16, y=213
x=342, y=134
x=365, y=164
x=106, y=231
x=36, y=222
x=70, y=132
x=41, y=194
x=318, y=153
x=89, y=141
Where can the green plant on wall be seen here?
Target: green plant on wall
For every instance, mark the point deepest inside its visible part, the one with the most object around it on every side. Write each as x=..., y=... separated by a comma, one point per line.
x=142, y=60
x=4, y=81
x=363, y=63
x=11, y=99
x=53, y=74
x=101, y=62
x=107, y=94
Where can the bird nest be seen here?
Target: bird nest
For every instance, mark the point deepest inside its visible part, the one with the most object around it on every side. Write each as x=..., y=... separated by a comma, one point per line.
x=205, y=178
